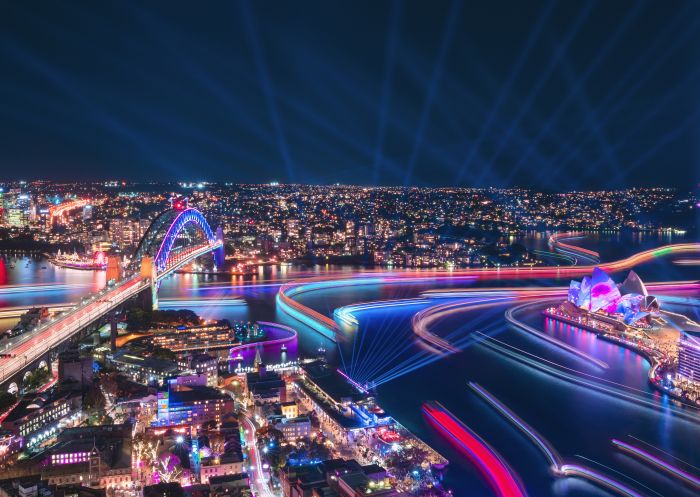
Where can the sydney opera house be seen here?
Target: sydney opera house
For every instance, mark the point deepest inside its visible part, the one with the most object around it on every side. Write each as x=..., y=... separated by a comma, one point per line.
x=628, y=302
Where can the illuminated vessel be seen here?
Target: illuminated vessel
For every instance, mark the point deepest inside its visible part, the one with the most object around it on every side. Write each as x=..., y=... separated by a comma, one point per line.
x=97, y=262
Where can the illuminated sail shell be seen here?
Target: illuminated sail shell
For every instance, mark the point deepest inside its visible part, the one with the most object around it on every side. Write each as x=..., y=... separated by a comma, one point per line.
x=584, y=297
x=574, y=292
x=604, y=291
x=633, y=284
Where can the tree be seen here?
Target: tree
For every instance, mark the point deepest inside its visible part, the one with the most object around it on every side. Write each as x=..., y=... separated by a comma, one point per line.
x=94, y=399
x=168, y=468
x=165, y=354
x=110, y=384
x=138, y=319
x=217, y=444
x=36, y=378
x=94, y=404
x=7, y=400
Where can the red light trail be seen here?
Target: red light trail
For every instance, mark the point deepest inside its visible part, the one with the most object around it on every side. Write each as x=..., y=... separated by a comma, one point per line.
x=501, y=478
x=56, y=212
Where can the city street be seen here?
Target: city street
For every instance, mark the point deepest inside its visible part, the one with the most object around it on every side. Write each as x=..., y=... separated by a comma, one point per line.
x=259, y=482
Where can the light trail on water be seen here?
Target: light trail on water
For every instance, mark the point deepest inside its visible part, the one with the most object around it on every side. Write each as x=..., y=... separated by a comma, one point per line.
x=558, y=467
x=657, y=462
x=550, y=453
x=570, y=375
x=496, y=471
x=328, y=328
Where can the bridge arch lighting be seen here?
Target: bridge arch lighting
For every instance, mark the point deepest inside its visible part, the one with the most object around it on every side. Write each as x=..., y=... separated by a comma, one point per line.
x=161, y=236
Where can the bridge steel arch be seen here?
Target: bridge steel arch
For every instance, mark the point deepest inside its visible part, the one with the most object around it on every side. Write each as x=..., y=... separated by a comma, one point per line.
x=159, y=239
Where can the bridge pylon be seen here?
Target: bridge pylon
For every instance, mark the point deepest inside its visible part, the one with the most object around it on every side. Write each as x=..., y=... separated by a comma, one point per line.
x=148, y=271
x=219, y=254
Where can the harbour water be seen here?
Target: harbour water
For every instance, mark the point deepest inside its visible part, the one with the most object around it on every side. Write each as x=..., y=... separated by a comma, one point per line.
x=577, y=419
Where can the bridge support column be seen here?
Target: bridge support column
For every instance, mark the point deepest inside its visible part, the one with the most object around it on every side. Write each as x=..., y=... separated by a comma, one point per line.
x=219, y=254
x=113, y=331
x=154, y=294
x=148, y=271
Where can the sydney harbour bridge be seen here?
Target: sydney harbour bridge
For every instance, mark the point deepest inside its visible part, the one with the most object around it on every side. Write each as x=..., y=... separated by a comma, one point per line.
x=174, y=239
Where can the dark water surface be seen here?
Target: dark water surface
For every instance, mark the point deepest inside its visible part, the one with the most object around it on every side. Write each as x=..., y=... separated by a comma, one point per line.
x=577, y=420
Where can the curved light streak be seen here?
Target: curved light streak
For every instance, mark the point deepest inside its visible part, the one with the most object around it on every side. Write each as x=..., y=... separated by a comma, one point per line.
x=42, y=287
x=277, y=341
x=543, y=336
x=208, y=302
x=687, y=262
x=655, y=461
x=346, y=314
x=328, y=327
x=555, y=255
x=549, y=451
x=421, y=321
x=501, y=478
x=573, y=250
x=574, y=376
x=533, y=292
x=555, y=461
x=598, y=478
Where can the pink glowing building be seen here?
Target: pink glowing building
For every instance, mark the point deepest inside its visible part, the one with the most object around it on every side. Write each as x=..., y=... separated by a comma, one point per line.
x=599, y=293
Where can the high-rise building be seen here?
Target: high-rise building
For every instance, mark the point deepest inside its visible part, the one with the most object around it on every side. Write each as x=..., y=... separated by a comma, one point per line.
x=126, y=233
x=689, y=357
x=87, y=212
x=17, y=218
x=180, y=404
x=123, y=232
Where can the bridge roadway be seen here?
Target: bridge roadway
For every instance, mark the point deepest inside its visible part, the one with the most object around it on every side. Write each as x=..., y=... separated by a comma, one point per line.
x=29, y=347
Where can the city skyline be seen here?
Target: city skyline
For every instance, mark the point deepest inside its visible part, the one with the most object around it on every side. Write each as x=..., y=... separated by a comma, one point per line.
x=390, y=248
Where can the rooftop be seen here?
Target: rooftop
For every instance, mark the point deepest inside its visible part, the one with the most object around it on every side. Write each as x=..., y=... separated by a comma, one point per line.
x=331, y=382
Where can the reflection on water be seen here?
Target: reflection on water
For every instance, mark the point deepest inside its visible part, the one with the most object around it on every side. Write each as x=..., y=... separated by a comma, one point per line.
x=577, y=420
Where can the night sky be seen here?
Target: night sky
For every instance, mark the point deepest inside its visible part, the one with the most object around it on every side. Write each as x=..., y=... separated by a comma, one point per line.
x=552, y=95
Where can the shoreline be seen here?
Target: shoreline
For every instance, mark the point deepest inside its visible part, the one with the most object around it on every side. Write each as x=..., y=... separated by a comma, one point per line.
x=651, y=358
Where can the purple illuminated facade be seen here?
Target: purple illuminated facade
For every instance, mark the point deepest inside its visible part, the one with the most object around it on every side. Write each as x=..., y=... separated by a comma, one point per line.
x=600, y=293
